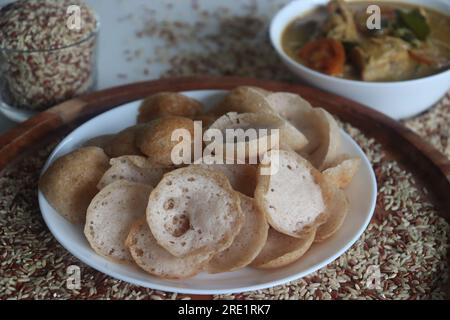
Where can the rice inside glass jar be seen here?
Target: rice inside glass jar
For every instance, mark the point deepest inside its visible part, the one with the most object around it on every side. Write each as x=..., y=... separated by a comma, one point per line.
x=48, y=52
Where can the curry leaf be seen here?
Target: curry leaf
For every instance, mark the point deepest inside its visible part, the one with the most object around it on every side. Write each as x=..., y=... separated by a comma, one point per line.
x=416, y=22
x=405, y=34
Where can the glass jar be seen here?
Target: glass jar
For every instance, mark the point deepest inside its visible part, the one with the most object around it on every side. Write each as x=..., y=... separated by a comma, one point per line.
x=32, y=81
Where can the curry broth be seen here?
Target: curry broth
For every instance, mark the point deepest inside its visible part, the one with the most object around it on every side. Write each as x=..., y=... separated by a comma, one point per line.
x=306, y=27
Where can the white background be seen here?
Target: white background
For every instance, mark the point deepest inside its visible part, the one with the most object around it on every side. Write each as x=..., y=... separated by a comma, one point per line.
x=120, y=19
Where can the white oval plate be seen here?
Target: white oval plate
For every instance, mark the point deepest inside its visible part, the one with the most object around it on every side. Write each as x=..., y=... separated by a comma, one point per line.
x=361, y=193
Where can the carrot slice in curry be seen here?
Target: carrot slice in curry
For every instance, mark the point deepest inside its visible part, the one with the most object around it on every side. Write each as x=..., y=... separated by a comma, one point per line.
x=420, y=57
x=324, y=55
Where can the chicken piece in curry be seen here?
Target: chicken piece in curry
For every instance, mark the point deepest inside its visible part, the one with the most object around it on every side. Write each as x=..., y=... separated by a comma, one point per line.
x=411, y=42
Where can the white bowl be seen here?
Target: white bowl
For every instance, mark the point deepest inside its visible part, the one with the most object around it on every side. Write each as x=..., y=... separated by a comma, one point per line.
x=361, y=193
x=396, y=99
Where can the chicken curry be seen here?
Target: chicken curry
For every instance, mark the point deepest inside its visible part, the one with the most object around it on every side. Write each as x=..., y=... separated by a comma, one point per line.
x=410, y=42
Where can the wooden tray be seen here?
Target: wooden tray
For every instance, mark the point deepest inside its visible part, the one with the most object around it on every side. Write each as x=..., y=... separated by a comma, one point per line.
x=430, y=166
